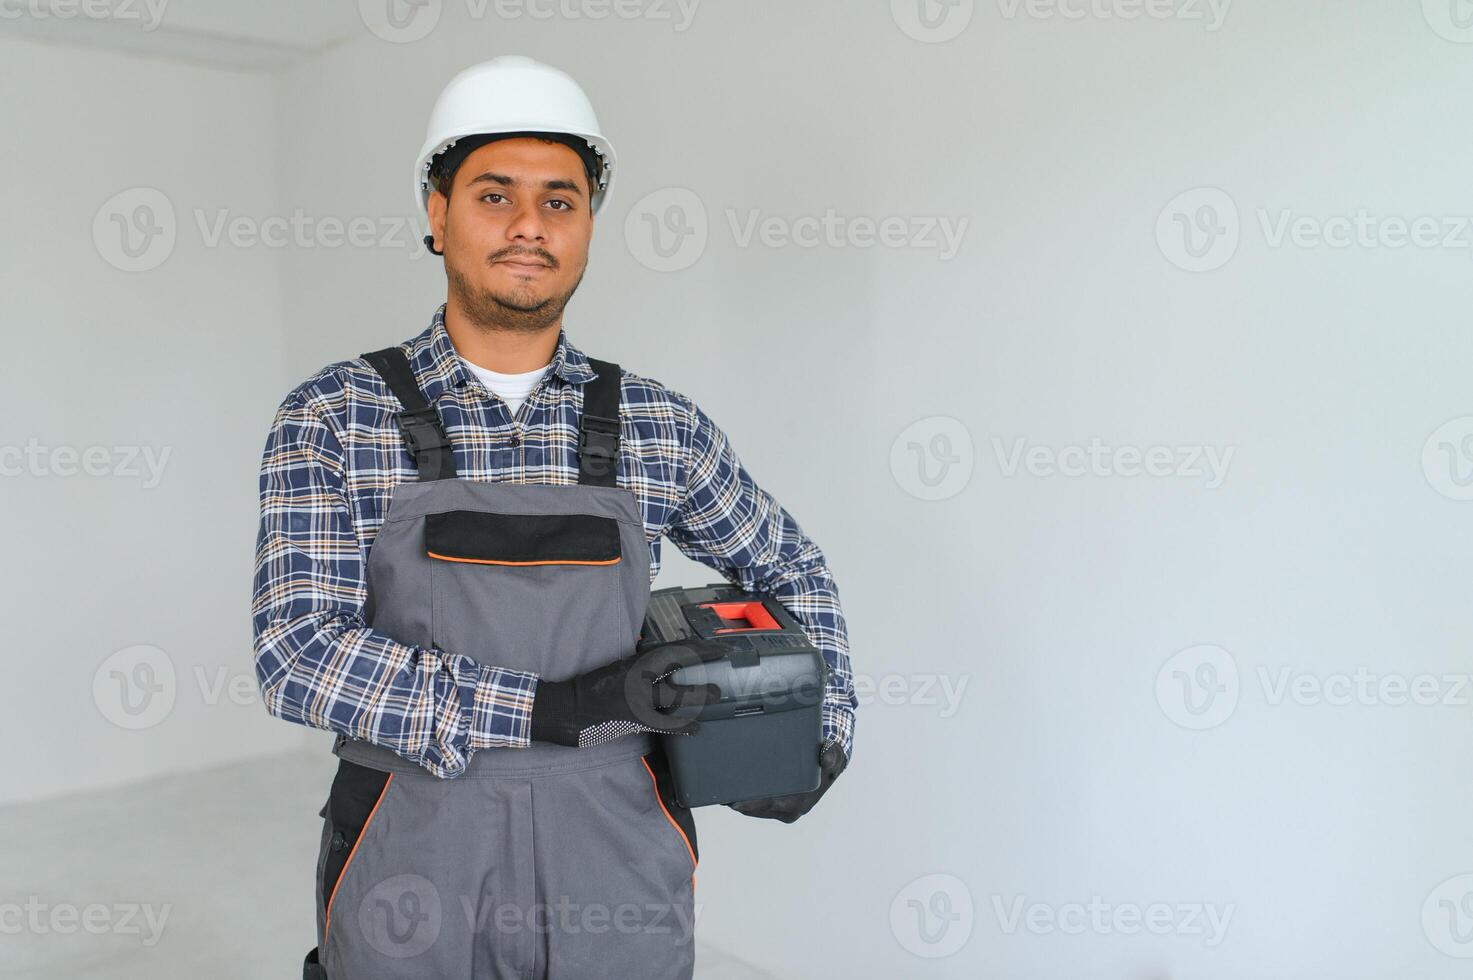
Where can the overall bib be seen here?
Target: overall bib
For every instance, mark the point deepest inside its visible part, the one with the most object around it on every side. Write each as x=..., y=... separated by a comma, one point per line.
x=540, y=862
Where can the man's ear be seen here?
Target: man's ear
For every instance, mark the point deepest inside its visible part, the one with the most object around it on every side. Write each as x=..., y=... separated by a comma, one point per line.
x=438, y=205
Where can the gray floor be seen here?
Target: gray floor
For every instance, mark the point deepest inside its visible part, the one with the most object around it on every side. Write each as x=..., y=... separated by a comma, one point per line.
x=201, y=875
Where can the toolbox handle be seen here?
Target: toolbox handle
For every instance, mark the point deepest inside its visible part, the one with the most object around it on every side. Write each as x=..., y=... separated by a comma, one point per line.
x=752, y=612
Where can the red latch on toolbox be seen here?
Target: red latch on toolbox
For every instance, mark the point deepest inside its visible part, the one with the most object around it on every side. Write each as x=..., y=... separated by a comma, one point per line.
x=743, y=616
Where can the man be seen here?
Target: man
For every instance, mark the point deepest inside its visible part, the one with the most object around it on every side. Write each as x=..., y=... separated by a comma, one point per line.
x=457, y=540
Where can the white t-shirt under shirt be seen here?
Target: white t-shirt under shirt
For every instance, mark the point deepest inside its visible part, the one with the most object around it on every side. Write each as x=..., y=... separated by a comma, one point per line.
x=513, y=388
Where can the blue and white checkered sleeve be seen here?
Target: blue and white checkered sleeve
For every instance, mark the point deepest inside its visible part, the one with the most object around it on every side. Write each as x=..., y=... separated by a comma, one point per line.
x=728, y=522
x=317, y=661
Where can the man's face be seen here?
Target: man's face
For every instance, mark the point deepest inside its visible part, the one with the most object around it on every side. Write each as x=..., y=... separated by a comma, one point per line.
x=515, y=232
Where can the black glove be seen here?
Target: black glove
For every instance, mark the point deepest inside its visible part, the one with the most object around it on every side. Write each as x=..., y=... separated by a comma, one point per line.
x=831, y=759
x=621, y=698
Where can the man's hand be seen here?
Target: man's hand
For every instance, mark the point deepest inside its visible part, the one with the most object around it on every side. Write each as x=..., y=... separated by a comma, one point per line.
x=831, y=760
x=621, y=698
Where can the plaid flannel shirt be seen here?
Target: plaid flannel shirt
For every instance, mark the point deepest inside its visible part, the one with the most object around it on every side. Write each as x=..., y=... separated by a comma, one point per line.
x=333, y=456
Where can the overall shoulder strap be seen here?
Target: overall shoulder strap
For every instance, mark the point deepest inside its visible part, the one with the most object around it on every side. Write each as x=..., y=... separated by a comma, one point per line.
x=598, y=430
x=419, y=423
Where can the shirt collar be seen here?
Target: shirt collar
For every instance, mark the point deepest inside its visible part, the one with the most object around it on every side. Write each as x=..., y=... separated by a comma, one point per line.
x=437, y=364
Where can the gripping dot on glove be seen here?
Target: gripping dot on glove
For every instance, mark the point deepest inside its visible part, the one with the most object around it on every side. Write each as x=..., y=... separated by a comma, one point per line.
x=608, y=731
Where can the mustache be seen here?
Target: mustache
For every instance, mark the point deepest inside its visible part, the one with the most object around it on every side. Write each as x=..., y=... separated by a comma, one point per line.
x=537, y=254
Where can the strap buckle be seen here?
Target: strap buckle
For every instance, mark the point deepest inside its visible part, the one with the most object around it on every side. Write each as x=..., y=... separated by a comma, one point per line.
x=599, y=438
x=422, y=431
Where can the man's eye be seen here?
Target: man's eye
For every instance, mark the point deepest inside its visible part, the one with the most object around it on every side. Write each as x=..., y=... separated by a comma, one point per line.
x=565, y=204
x=492, y=194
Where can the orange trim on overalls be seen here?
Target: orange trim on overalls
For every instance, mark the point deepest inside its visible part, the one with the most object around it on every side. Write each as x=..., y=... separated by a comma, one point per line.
x=327, y=921
x=493, y=561
x=689, y=850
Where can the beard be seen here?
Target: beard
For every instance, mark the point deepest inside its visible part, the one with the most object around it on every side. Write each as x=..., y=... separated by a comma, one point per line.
x=517, y=309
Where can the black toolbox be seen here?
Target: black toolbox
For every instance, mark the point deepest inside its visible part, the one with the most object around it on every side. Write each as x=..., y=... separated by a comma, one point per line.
x=762, y=737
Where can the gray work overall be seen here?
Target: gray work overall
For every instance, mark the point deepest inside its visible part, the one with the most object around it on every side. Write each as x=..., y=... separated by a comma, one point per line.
x=540, y=862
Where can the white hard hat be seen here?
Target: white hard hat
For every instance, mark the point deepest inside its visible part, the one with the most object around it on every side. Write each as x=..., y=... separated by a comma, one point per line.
x=512, y=94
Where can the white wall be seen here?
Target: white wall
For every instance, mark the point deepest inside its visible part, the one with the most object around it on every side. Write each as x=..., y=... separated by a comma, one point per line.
x=1054, y=600
x=1054, y=603
x=183, y=358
